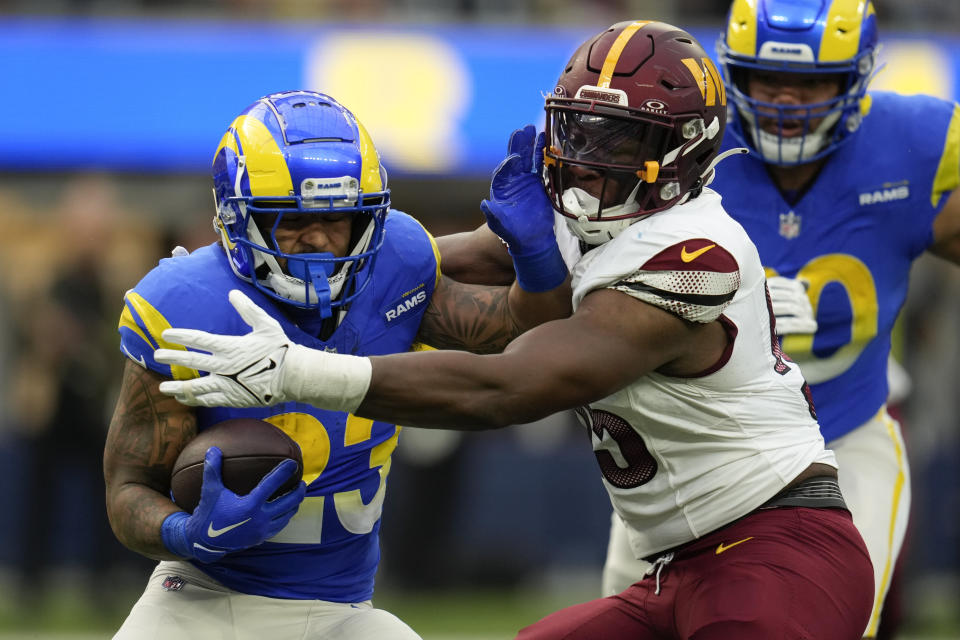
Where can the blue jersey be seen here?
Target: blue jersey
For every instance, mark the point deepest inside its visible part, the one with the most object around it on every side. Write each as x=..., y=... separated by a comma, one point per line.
x=330, y=549
x=853, y=236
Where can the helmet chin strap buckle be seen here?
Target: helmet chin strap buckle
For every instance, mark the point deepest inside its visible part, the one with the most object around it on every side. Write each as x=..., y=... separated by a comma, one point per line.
x=321, y=288
x=314, y=269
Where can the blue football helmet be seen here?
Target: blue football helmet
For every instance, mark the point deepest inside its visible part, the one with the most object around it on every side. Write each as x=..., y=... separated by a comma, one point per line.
x=299, y=152
x=835, y=37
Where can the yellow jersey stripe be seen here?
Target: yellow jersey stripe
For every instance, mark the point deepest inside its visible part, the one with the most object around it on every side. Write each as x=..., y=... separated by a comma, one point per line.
x=436, y=253
x=948, y=171
x=155, y=324
x=127, y=320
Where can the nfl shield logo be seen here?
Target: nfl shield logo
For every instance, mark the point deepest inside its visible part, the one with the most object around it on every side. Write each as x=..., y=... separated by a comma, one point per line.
x=789, y=225
x=173, y=583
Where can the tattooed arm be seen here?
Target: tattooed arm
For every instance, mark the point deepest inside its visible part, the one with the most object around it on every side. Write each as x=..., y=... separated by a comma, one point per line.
x=147, y=433
x=484, y=319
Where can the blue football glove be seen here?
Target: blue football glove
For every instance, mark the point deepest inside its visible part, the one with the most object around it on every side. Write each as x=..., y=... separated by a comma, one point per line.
x=225, y=522
x=521, y=214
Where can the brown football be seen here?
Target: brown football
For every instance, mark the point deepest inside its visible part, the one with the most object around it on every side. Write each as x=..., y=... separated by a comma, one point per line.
x=251, y=449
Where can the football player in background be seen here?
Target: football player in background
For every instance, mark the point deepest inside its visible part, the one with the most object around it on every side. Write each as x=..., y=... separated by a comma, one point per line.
x=307, y=230
x=841, y=192
x=703, y=433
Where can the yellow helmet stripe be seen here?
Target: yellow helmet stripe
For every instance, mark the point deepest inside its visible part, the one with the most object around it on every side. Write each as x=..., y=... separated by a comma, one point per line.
x=742, y=27
x=155, y=324
x=266, y=166
x=228, y=140
x=948, y=170
x=370, y=180
x=841, y=36
x=613, y=56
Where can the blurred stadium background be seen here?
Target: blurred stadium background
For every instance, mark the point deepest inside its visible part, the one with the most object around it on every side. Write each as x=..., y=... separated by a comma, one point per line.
x=110, y=113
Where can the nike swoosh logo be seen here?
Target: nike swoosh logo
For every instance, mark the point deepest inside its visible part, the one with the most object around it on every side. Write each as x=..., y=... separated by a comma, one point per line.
x=213, y=533
x=690, y=257
x=268, y=367
x=139, y=359
x=723, y=547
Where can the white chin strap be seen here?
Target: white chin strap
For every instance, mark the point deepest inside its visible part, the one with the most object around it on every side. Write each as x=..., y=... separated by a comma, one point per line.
x=582, y=204
x=794, y=150
x=286, y=286
x=579, y=203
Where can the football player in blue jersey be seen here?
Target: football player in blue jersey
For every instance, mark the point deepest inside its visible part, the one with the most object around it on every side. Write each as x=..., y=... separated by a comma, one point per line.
x=306, y=230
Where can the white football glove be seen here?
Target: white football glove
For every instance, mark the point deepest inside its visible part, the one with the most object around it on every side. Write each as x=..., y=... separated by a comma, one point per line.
x=261, y=368
x=791, y=306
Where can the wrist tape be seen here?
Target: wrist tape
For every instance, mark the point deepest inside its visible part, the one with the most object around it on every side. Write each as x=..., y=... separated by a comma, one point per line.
x=334, y=381
x=541, y=271
x=174, y=536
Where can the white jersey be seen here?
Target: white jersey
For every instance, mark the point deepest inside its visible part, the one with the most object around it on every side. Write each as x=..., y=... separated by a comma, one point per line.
x=682, y=457
x=568, y=243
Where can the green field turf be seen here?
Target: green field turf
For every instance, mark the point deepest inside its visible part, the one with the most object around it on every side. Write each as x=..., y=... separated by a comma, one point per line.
x=444, y=615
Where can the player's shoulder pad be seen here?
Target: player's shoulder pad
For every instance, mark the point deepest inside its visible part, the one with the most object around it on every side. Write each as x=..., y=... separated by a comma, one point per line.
x=924, y=128
x=915, y=123
x=408, y=247
x=683, y=260
x=186, y=292
x=695, y=279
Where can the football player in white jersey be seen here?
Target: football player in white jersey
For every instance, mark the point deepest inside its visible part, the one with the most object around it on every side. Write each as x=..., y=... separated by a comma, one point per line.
x=703, y=431
x=838, y=219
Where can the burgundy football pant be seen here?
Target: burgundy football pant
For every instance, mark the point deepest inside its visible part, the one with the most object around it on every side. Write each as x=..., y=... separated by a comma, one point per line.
x=788, y=573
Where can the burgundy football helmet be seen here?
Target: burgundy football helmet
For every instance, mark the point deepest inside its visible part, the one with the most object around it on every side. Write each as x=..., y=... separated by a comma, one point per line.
x=633, y=127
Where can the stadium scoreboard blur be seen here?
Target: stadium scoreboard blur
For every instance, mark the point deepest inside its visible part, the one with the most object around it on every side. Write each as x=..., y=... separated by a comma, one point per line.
x=155, y=96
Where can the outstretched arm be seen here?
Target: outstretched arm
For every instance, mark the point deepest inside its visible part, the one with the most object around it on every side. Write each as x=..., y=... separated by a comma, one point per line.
x=610, y=341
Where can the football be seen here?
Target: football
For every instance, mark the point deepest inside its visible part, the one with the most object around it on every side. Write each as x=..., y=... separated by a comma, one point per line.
x=251, y=449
